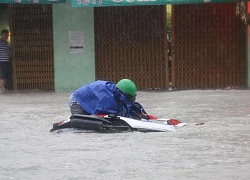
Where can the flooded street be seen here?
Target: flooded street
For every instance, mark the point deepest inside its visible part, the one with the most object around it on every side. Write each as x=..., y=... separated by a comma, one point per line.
x=219, y=149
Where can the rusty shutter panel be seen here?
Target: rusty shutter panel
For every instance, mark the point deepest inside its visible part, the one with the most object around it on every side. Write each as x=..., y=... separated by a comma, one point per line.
x=209, y=47
x=131, y=43
x=32, y=46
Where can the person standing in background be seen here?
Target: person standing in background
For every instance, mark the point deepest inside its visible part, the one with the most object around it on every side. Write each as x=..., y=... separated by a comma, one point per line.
x=5, y=65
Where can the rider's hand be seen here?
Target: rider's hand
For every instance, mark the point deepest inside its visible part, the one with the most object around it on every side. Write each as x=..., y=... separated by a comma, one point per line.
x=144, y=116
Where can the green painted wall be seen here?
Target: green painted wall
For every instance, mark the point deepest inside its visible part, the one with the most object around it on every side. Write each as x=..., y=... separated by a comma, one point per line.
x=73, y=70
x=4, y=17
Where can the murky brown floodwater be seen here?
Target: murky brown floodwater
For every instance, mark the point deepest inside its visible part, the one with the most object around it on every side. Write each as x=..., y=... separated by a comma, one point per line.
x=220, y=149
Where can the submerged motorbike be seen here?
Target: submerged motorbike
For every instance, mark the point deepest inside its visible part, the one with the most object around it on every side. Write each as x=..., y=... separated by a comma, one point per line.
x=139, y=121
x=114, y=124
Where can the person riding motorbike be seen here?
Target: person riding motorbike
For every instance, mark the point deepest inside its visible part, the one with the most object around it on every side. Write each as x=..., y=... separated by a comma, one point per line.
x=106, y=97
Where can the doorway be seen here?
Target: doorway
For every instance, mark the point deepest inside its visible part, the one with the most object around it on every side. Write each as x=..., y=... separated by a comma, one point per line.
x=31, y=29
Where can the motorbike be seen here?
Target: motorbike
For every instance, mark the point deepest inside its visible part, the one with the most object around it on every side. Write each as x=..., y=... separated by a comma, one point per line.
x=113, y=124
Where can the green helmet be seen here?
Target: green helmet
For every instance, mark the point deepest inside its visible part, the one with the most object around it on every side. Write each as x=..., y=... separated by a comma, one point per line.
x=127, y=87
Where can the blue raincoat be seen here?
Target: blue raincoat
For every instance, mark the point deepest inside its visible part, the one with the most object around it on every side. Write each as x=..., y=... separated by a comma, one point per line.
x=102, y=97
